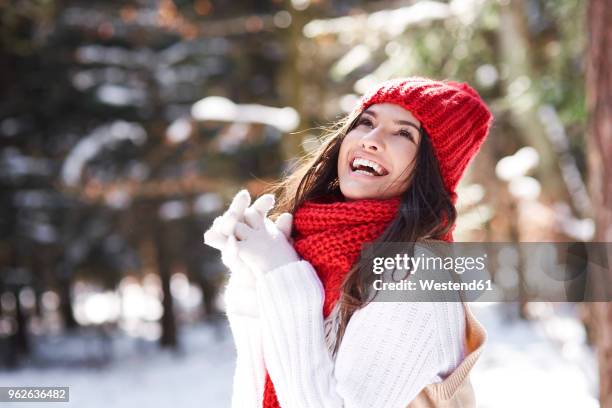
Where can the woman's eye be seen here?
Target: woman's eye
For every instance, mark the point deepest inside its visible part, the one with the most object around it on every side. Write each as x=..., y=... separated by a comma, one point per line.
x=366, y=122
x=407, y=134
x=369, y=123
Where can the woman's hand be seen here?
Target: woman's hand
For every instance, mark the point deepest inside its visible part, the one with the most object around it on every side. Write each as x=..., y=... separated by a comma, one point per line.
x=262, y=244
x=239, y=295
x=221, y=234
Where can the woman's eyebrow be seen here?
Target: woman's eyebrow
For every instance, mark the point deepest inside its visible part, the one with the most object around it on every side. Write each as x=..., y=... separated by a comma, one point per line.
x=399, y=122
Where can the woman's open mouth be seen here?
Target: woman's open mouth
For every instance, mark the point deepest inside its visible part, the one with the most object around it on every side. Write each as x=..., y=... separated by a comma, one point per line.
x=359, y=165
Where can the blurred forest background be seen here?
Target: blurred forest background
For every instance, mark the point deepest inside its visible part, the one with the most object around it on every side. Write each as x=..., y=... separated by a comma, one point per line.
x=126, y=126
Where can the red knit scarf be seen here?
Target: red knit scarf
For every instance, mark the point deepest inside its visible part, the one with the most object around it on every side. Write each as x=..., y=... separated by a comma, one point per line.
x=329, y=235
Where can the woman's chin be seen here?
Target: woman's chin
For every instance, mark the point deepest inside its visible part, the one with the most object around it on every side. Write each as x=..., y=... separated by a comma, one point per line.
x=352, y=193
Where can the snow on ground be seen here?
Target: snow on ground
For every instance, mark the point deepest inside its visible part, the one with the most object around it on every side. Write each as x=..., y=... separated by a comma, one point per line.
x=197, y=377
x=543, y=363
x=528, y=364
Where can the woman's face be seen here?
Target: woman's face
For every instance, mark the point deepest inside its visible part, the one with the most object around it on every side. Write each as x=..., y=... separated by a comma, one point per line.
x=377, y=157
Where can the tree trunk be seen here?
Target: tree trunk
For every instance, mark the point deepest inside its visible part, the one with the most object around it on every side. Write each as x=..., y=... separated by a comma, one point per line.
x=514, y=52
x=599, y=107
x=208, y=293
x=2, y=289
x=66, y=310
x=168, y=320
x=22, y=341
x=291, y=79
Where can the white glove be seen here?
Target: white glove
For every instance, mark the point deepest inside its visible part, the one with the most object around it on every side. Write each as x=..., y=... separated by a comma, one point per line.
x=265, y=245
x=221, y=234
x=240, y=296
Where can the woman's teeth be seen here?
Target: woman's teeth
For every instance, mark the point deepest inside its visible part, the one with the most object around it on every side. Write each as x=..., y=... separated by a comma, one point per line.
x=364, y=172
x=377, y=169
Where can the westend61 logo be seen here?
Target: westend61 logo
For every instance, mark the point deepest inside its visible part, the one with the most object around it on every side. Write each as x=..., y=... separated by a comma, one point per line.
x=489, y=272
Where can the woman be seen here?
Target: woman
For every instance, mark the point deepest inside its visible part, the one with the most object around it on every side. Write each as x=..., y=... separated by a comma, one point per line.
x=305, y=334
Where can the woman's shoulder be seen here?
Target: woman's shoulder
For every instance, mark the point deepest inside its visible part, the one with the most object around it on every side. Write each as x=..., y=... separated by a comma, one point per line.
x=431, y=246
x=444, y=318
x=410, y=332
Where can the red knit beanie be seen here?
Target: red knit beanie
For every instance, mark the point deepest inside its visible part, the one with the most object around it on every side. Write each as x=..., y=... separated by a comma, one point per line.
x=452, y=113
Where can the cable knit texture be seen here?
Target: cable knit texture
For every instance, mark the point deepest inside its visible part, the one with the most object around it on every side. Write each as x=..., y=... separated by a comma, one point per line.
x=330, y=235
x=452, y=113
x=393, y=354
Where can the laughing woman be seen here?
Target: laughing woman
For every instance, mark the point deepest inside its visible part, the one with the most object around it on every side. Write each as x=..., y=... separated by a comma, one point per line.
x=305, y=334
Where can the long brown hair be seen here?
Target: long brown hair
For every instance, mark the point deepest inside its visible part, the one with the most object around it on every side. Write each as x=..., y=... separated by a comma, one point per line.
x=425, y=212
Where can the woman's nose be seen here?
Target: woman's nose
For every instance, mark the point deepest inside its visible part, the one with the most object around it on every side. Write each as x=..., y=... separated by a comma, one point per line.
x=372, y=141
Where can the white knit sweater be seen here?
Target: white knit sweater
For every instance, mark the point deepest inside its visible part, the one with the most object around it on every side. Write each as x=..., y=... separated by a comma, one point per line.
x=389, y=353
